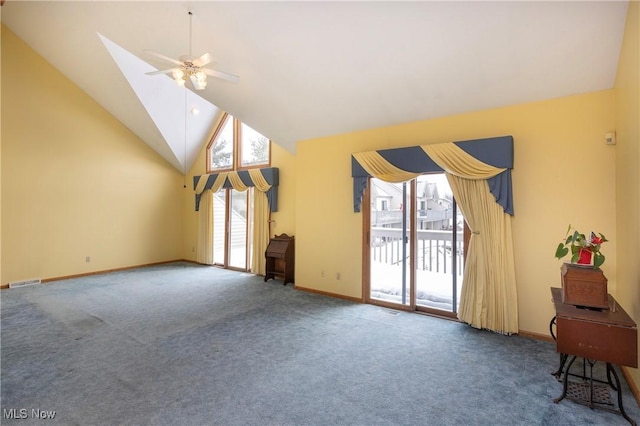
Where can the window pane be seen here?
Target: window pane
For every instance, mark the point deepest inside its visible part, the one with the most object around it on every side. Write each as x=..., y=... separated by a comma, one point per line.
x=222, y=149
x=238, y=230
x=254, y=148
x=251, y=194
x=436, y=245
x=219, y=220
x=390, y=248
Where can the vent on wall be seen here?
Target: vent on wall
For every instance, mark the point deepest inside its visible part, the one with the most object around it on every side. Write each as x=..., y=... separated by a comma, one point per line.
x=25, y=283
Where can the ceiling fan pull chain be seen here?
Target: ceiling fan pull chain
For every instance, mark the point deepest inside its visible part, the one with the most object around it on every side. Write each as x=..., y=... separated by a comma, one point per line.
x=190, y=35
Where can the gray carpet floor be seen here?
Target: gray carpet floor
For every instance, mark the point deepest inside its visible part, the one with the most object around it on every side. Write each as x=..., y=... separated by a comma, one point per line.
x=182, y=344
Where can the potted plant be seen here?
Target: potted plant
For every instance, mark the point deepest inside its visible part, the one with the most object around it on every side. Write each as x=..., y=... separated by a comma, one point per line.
x=583, y=250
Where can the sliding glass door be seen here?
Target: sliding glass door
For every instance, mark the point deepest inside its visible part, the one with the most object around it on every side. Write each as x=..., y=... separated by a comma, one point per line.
x=233, y=223
x=220, y=227
x=238, y=229
x=415, y=245
x=439, y=245
x=390, y=247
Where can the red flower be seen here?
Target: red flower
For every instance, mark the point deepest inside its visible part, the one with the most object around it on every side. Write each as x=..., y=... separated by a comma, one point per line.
x=595, y=239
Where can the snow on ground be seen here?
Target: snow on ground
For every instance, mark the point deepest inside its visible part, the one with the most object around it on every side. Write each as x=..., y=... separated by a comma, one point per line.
x=433, y=289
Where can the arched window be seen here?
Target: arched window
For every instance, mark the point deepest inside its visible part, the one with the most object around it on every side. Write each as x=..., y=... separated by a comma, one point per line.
x=236, y=146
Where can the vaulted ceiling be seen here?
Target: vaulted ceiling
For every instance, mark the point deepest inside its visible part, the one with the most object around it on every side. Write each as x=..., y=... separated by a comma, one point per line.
x=313, y=69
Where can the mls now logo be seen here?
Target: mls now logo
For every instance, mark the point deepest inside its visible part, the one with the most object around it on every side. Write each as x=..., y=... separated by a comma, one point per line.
x=23, y=413
x=14, y=413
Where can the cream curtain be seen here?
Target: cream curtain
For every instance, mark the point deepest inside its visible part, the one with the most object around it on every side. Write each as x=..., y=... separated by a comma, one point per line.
x=261, y=217
x=489, y=295
x=261, y=214
x=236, y=182
x=457, y=162
x=259, y=181
x=204, y=247
x=377, y=166
x=217, y=184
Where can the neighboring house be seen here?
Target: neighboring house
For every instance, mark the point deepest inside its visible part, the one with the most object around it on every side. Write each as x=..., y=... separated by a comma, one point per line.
x=434, y=211
x=386, y=204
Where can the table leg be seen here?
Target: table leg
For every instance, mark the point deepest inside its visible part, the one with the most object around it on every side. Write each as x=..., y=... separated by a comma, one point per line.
x=591, y=364
x=551, y=324
x=558, y=372
x=565, y=381
x=611, y=370
x=563, y=357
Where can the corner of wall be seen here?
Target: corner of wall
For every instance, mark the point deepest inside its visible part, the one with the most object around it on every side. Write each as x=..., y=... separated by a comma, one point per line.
x=627, y=206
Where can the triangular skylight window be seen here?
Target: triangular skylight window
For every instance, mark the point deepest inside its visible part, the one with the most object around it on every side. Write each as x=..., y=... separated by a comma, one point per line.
x=168, y=106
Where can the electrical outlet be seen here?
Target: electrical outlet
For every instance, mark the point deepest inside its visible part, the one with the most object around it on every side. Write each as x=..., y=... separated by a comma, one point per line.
x=337, y=275
x=610, y=138
x=322, y=273
x=87, y=259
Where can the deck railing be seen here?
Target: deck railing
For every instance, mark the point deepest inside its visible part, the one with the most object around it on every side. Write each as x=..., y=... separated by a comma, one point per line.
x=386, y=217
x=433, y=251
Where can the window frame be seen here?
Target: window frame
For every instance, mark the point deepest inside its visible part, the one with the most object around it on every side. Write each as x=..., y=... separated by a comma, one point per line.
x=239, y=144
x=236, y=163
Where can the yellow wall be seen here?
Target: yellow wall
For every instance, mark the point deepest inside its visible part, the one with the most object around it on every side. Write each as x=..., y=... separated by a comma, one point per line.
x=75, y=181
x=1, y=29
x=189, y=215
x=284, y=220
x=564, y=174
x=627, y=92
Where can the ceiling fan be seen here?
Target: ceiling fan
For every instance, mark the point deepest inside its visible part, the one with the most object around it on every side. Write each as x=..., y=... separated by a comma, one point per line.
x=189, y=68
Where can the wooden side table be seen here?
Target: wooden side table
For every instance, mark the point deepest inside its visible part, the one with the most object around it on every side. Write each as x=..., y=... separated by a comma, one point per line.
x=606, y=335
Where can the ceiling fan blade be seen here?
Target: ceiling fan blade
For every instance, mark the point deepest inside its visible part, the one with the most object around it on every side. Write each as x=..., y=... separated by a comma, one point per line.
x=223, y=75
x=170, y=70
x=163, y=57
x=202, y=60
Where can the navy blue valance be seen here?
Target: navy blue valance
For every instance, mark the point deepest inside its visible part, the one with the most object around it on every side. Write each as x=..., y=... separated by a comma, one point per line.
x=497, y=152
x=270, y=174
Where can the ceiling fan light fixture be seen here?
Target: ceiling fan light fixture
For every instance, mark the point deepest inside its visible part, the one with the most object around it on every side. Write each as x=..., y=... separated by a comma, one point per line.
x=199, y=79
x=178, y=74
x=191, y=69
x=201, y=76
x=199, y=85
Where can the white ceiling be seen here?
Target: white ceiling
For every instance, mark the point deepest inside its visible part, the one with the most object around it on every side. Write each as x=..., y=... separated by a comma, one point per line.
x=313, y=69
